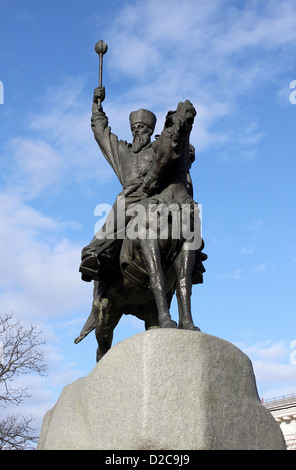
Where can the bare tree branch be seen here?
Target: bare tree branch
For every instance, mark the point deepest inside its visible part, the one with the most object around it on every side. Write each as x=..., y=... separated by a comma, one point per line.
x=19, y=354
x=16, y=433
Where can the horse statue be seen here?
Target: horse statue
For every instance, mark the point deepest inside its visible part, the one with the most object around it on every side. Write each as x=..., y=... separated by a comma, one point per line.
x=164, y=254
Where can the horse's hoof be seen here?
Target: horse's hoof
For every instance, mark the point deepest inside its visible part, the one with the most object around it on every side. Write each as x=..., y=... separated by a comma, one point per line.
x=100, y=356
x=189, y=326
x=168, y=324
x=194, y=328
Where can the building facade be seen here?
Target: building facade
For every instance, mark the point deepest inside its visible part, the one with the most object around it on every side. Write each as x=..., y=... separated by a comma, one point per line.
x=283, y=409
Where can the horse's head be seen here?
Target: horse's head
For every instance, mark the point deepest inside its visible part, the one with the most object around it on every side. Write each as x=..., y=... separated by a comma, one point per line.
x=173, y=151
x=181, y=118
x=179, y=123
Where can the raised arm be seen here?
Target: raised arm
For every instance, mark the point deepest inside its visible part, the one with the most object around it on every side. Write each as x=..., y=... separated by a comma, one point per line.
x=108, y=142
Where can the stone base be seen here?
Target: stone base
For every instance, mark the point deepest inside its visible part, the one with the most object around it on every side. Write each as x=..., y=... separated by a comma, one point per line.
x=164, y=389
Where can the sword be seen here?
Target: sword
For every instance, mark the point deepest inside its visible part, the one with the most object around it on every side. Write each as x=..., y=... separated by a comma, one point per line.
x=101, y=49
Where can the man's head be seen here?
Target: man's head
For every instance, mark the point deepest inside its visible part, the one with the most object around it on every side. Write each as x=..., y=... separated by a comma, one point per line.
x=142, y=126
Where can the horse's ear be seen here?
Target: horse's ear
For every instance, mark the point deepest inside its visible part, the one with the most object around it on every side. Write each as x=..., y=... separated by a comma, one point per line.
x=168, y=119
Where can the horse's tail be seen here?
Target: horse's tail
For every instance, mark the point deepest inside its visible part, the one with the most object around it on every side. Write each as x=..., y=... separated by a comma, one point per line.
x=89, y=326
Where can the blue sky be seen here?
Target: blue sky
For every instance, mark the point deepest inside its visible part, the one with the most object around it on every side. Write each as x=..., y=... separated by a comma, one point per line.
x=235, y=61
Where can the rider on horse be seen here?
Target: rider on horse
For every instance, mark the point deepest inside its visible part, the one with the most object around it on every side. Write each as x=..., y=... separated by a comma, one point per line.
x=131, y=163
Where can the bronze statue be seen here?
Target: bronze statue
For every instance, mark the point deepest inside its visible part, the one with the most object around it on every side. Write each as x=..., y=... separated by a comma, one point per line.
x=151, y=248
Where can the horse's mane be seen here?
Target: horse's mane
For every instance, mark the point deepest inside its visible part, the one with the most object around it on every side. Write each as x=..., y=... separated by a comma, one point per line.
x=172, y=148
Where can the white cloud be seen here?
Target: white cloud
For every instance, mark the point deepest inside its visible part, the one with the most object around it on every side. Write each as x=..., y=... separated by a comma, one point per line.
x=247, y=251
x=36, y=166
x=58, y=149
x=262, y=24
x=256, y=228
x=166, y=34
x=260, y=268
x=64, y=121
x=173, y=53
x=275, y=374
x=236, y=274
x=268, y=351
x=44, y=391
x=40, y=268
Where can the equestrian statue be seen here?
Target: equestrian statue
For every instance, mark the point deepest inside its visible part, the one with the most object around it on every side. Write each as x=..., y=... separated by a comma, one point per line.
x=150, y=246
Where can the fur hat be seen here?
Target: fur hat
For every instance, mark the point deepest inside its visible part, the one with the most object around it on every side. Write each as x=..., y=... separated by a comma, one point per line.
x=144, y=116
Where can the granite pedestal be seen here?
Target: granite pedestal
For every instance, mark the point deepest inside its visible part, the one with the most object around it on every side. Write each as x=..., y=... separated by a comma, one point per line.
x=164, y=389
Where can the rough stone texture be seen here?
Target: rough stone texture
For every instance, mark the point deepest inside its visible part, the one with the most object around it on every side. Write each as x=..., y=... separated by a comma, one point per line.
x=164, y=389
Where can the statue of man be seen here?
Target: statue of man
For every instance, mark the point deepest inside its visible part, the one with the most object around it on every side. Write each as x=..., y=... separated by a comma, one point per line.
x=130, y=163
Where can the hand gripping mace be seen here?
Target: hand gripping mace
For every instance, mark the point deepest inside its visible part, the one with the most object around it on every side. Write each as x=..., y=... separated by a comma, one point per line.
x=101, y=49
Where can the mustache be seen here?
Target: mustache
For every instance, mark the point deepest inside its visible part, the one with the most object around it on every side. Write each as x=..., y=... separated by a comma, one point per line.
x=139, y=142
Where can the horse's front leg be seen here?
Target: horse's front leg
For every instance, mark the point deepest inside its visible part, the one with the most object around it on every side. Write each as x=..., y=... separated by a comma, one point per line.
x=152, y=259
x=184, y=266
